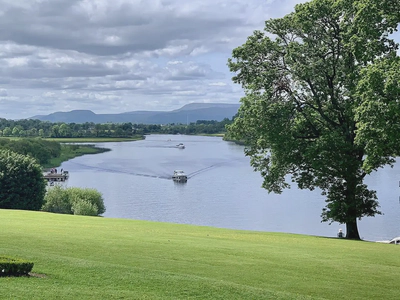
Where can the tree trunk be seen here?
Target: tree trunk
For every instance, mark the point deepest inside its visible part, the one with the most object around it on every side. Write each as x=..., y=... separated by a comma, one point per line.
x=352, y=230
x=351, y=200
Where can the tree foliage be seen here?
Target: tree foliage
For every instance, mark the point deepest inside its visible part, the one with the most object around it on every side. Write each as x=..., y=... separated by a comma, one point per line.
x=39, y=149
x=322, y=101
x=36, y=128
x=21, y=182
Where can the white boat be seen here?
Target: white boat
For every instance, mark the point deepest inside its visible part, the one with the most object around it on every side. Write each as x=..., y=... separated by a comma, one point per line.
x=395, y=241
x=181, y=146
x=179, y=176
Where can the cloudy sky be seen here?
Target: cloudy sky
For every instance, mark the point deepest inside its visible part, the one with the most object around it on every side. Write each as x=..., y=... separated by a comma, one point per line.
x=113, y=56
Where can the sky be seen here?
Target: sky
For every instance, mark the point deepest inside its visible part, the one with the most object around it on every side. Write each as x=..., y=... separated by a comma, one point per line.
x=115, y=56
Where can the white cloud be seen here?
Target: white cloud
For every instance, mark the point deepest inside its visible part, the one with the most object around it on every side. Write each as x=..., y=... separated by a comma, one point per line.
x=217, y=84
x=122, y=55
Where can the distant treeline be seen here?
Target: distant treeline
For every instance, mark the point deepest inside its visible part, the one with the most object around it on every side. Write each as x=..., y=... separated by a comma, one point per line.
x=37, y=128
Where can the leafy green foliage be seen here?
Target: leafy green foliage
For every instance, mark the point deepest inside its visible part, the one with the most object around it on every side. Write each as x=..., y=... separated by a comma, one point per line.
x=322, y=92
x=84, y=208
x=74, y=200
x=379, y=112
x=69, y=151
x=41, y=150
x=82, y=197
x=36, y=128
x=21, y=182
x=56, y=200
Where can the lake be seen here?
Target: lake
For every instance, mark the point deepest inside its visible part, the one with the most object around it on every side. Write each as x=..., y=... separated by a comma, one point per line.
x=222, y=189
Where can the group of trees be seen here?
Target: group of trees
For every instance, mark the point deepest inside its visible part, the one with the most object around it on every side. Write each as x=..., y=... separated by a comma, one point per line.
x=322, y=101
x=22, y=185
x=36, y=128
x=199, y=127
x=39, y=149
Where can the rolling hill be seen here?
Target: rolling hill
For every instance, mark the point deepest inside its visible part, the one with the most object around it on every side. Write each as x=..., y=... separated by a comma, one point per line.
x=186, y=114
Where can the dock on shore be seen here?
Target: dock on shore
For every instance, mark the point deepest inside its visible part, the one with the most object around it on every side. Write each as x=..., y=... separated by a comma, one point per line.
x=51, y=177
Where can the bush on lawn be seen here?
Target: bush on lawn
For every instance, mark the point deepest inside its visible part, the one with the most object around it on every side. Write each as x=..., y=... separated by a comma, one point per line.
x=77, y=201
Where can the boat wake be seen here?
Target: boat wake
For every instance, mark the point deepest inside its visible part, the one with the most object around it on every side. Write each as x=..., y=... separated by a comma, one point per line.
x=122, y=171
x=163, y=176
x=208, y=168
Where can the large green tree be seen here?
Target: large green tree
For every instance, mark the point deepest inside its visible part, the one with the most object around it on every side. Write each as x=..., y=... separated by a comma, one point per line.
x=322, y=101
x=21, y=182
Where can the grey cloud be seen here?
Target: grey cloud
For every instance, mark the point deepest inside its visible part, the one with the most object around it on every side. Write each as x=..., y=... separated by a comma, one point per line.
x=59, y=55
x=110, y=28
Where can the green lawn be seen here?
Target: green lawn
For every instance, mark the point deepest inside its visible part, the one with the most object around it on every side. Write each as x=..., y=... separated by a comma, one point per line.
x=80, y=257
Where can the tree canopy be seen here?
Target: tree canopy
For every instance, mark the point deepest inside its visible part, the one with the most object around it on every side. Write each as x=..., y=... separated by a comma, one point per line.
x=322, y=101
x=21, y=182
x=39, y=149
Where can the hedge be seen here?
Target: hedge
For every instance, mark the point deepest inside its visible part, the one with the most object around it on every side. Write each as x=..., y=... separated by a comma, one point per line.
x=10, y=266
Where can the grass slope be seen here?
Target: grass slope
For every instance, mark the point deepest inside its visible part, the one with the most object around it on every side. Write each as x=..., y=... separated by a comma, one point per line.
x=103, y=258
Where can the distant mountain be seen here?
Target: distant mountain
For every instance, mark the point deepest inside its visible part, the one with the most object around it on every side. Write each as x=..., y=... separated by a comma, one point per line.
x=186, y=114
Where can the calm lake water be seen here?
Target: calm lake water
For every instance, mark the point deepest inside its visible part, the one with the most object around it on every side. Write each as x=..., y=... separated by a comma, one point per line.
x=222, y=189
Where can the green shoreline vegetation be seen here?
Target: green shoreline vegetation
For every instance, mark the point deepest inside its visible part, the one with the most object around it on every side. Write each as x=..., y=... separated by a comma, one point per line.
x=94, y=139
x=71, y=151
x=78, y=257
x=52, y=152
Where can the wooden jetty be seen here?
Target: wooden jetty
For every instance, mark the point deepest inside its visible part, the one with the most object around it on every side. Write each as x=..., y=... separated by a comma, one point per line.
x=51, y=177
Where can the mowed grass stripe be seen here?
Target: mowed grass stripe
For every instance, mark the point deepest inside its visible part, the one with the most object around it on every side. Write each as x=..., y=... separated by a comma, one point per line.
x=104, y=258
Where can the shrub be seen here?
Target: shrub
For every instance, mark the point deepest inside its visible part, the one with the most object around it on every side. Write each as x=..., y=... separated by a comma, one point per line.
x=78, y=201
x=14, y=267
x=84, y=208
x=56, y=200
x=89, y=195
x=21, y=182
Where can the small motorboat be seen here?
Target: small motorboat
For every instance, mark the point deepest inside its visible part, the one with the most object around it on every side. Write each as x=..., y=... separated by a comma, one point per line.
x=180, y=146
x=179, y=176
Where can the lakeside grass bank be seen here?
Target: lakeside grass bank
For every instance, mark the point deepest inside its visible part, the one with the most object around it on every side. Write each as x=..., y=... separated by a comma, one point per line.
x=71, y=151
x=79, y=257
